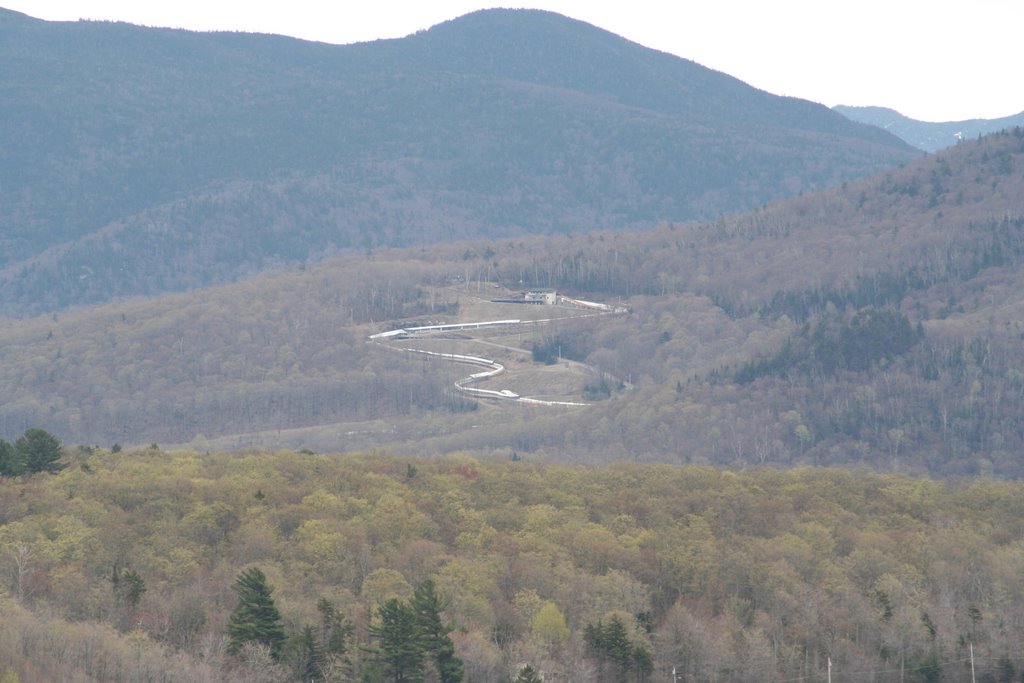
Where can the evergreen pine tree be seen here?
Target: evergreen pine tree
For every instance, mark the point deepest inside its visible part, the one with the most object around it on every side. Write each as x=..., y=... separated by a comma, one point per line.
x=593, y=637
x=128, y=587
x=11, y=464
x=643, y=662
x=428, y=606
x=399, y=642
x=255, y=617
x=307, y=656
x=610, y=645
x=40, y=451
x=617, y=646
x=528, y=675
x=334, y=634
x=334, y=631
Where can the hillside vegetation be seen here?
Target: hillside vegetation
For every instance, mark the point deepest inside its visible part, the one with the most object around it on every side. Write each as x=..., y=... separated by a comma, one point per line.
x=878, y=324
x=139, y=161
x=761, y=575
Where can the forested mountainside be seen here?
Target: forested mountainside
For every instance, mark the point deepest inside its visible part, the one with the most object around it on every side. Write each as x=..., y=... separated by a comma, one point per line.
x=927, y=135
x=126, y=567
x=138, y=161
x=876, y=324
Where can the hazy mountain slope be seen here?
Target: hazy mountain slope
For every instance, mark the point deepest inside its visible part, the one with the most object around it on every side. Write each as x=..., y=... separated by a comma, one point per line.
x=138, y=161
x=882, y=318
x=556, y=51
x=925, y=135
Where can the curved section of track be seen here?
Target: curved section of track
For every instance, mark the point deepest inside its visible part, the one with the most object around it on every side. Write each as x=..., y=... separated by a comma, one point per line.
x=494, y=368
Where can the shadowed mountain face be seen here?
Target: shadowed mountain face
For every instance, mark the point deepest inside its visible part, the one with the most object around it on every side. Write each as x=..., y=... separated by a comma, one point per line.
x=138, y=161
x=925, y=135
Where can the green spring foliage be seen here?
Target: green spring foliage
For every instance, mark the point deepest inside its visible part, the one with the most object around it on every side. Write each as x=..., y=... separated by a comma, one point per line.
x=600, y=572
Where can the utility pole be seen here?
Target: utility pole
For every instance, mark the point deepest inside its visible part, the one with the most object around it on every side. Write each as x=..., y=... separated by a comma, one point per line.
x=830, y=669
x=972, y=662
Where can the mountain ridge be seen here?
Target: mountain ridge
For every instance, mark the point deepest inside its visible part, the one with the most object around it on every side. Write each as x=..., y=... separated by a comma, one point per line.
x=928, y=135
x=194, y=142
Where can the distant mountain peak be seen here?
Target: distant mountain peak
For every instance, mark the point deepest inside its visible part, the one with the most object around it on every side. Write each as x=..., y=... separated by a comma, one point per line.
x=926, y=135
x=507, y=16
x=160, y=159
x=501, y=38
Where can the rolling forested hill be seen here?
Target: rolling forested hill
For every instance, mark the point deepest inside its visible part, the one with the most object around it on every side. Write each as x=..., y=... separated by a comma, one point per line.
x=874, y=324
x=140, y=161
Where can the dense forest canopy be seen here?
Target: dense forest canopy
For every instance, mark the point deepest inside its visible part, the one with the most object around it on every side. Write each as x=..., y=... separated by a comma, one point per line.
x=127, y=566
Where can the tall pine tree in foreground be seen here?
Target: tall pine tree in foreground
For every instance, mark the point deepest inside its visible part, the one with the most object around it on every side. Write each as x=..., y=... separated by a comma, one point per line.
x=399, y=642
x=427, y=606
x=412, y=639
x=255, y=618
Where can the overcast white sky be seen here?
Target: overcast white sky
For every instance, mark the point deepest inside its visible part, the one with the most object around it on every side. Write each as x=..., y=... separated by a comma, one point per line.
x=935, y=60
